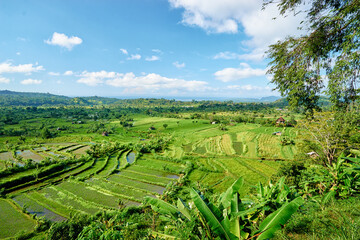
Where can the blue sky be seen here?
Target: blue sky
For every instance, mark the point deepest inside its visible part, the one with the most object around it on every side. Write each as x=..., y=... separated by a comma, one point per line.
x=139, y=48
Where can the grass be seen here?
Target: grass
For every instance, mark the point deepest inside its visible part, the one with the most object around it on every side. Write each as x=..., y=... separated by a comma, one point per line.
x=118, y=190
x=226, y=145
x=33, y=207
x=136, y=184
x=132, y=176
x=71, y=203
x=89, y=194
x=145, y=177
x=51, y=205
x=159, y=165
x=111, y=163
x=97, y=166
x=146, y=170
x=12, y=221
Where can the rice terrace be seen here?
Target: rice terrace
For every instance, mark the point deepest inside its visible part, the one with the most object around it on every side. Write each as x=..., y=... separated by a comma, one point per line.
x=177, y=119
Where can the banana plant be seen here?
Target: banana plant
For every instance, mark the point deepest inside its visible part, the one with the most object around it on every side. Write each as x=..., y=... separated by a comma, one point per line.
x=232, y=219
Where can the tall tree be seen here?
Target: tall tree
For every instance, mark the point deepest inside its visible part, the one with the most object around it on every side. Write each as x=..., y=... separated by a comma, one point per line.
x=328, y=52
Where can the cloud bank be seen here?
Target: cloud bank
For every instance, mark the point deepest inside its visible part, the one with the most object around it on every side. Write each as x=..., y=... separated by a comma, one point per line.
x=151, y=82
x=234, y=74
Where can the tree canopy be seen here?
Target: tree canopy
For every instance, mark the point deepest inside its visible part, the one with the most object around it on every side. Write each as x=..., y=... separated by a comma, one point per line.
x=326, y=59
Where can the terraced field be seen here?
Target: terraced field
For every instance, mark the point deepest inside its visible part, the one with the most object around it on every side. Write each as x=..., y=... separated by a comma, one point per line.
x=12, y=220
x=97, y=184
x=246, y=141
x=114, y=180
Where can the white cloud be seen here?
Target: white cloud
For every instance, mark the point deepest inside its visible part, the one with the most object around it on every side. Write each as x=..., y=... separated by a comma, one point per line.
x=62, y=40
x=7, y=67
x=256, y=55
x=134, y=57
x=90, y=81
x=68, y=73
x=149, y=82
x=152, y=58
x=233, y=74
x=21, y=39
x=124, y=51
x=54, y=74
x=155, y=82
x=31, y=81
x=248, y=87
x=179, y=65
x=214, y=15
x=228, y=16
x=18, y=53
x=157, y=51
x=100, y=75
x=4, y=80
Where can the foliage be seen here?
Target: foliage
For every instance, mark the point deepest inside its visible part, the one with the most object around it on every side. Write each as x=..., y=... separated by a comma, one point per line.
x=233, y=218
x=330, y=132
x=129, y=223
x=342, y=178
x=336, y=220
x=330, y=45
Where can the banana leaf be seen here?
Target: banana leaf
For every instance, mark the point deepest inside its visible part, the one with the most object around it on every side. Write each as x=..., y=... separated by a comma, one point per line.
x=227, y=197
x=212, y=215
x=162, y=207
x=183, y=209
x=274, y=221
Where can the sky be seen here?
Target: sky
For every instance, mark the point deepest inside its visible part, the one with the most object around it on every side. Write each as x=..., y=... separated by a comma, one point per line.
x=189, y=49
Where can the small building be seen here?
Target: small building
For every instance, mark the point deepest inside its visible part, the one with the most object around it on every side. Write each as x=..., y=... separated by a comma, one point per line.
x=105, y=134
x=277, y=133
x=280, y=120
x=313, y=154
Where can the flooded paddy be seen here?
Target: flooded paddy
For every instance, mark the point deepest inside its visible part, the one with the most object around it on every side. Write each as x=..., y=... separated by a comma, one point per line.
x=130, y=158
x=34, y=208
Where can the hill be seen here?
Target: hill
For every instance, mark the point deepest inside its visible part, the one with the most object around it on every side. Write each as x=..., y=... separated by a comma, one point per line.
x=11, y=98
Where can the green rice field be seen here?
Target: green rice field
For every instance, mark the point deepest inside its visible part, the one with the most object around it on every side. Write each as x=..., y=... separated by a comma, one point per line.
x=109, y=182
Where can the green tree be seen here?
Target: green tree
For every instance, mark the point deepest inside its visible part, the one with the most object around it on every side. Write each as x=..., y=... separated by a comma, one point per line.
x=45, y=133
x=330, y=132
x=165, y=125
x=328, y=50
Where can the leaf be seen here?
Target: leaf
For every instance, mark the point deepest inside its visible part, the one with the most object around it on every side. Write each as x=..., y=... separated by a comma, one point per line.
x=327, y=197
x=162, y=207
x=354, y=160
x=250, y=210
x=261, y=190
x=183, y=209
x=162, y=235
x=274, y=221
x=234, y=222
x=210, y=217
x=228, y=195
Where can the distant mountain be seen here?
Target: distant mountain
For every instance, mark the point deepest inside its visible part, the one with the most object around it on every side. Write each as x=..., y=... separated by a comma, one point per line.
x=263, y=99
x=33, y=99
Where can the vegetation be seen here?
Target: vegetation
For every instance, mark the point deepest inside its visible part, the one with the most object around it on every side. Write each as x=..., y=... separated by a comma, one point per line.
x=330, y=46
x=77, y=182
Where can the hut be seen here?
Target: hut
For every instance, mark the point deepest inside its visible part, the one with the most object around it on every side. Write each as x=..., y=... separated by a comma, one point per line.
x=313, y=154
x=105, y=134
x=280, y=120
